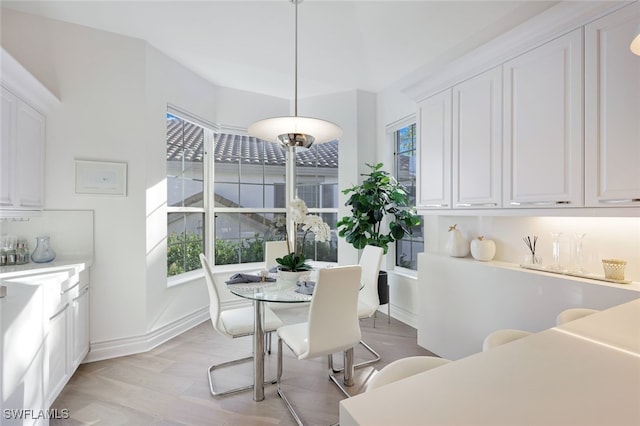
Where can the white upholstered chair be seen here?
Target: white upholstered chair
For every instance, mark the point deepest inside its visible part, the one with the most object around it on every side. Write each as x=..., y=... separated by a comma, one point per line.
x=368, y=301
x=237, y=322
x=500, y=337
x=572, y=314
x=272, y=251
x=404, y=367
x=332, y=325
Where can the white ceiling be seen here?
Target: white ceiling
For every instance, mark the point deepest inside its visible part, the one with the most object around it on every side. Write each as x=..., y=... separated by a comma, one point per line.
x=343, y=45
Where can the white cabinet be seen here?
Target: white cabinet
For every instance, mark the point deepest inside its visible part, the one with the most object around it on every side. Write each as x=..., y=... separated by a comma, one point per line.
x=612, y=110
x=79, y=308
x=21, y=155
x=21, y=363
x=25, y=101
x=477, y=141
x=543, y=125
x=45, y=336
x=434, y=151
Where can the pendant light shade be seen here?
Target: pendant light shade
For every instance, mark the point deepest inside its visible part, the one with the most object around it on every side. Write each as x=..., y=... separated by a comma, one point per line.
x=635, y=45
x=293, y=130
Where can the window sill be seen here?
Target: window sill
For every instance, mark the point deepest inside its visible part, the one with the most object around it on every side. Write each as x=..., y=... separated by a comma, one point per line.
x=404, y=272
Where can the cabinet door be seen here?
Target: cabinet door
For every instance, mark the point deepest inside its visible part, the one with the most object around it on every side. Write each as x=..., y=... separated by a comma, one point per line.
x=477, y=141
x=30, y=157
x=7, y=148
x=434, y=151
x=612, y=110
x=56, y=353
x=80, y=326
x=543, y=136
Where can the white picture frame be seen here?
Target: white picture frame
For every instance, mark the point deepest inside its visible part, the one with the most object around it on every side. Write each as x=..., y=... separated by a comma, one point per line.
x=101, y=178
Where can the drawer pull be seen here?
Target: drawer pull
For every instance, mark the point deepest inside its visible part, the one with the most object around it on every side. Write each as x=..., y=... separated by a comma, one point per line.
x=476, y=204
x=82, y=292
x=620, y=200
x=539, y=203
x=64, y=308
x=70, y=288
x=435, y=205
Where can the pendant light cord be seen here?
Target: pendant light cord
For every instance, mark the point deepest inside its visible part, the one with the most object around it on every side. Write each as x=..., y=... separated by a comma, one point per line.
x=295, y=99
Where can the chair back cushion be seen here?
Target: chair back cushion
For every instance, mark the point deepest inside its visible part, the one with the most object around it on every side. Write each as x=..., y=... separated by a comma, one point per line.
x=273, y=250
x=371, y=262
x=333, y=324
x=214, y=299
x=403, y=368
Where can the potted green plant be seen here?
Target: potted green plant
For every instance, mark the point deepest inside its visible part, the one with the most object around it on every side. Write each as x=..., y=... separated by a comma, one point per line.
x=378, y=198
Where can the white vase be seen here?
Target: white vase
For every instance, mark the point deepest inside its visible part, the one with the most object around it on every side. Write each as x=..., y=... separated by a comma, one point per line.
x=457, y=245
x=292, y=276
x=483, y=249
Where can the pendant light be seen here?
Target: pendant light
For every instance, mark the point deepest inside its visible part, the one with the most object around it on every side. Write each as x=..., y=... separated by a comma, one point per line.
x=635, y=45
x=295, y=131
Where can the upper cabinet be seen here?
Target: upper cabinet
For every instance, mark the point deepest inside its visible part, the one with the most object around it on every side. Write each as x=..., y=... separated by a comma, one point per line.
x=22, y=147
x=543, y=149
x=434, y=151
x=612, y=111
x=21, y=155
x=477, y=141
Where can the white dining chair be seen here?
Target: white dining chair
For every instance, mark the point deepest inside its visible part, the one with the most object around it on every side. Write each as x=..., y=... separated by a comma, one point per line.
x=237, y=322
x=500, y=337
x=403, y=368
x=368, y=300
x=573, y=314
x=332, y=325
x=272, y=251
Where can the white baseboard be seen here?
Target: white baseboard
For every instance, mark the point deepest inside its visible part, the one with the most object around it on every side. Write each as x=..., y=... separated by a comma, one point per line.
x=114, y=348
x=402, y=315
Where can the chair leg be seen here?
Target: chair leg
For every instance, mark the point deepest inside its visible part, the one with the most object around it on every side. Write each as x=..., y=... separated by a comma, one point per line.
x=280, y=391
x=235, y=362
x=347, y=379
x=360, y=364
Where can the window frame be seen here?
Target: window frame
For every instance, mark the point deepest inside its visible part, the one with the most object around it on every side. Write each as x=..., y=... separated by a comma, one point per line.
x=390, y=132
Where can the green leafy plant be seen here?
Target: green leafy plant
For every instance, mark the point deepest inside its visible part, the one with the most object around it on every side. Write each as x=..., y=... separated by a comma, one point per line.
x=293, y=262
x=379, y=196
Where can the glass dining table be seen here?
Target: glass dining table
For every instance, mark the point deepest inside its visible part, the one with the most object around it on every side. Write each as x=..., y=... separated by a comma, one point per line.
x=281, y=291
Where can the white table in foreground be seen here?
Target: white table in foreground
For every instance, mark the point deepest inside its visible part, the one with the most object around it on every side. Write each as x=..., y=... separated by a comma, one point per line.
x=549, y=378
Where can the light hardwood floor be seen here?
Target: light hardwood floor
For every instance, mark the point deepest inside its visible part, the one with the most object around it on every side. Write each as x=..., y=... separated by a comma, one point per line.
x=168, y=385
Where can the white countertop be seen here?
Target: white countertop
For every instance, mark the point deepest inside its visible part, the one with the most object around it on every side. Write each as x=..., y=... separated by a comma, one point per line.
x=549, y=378
x=57, y=264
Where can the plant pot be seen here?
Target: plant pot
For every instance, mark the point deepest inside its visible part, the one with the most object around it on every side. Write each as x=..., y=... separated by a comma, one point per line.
x=291, y=275
x=383, y=287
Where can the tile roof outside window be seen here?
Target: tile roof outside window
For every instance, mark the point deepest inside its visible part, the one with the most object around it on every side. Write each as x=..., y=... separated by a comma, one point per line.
x=229, y=148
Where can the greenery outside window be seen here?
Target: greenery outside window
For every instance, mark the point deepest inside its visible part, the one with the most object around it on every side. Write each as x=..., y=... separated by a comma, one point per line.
x=404, y=139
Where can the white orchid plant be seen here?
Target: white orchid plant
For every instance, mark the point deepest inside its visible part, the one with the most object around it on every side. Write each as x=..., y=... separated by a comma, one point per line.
x=295, y=260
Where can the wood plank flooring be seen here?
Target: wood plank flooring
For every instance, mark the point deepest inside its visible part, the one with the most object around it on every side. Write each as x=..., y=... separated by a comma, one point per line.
x=168, y=385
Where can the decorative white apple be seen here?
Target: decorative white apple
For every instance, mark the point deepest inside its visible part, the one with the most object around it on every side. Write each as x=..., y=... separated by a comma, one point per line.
x=482, y=249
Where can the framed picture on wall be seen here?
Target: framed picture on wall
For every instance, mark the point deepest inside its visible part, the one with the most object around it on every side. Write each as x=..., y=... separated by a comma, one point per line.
x=101, y=178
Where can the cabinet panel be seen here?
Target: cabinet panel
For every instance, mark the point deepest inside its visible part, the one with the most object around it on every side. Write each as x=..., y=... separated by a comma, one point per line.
x=30, y=157
x=434, y=151
x=7, y=148
x=21, y=155
x=612, y=110
x=477, y=141
x=543, y=137
x=80, y=326
x=56, y=372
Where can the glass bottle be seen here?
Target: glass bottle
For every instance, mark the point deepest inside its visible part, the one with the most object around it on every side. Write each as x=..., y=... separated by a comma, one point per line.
x=555, y=253
x=43, y=252
x=579, y=252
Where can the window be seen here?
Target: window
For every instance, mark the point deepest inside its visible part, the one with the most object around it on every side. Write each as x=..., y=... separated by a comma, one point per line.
x=244, y=203
x=404, y=139
x=185, y=195
x=250, y=198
